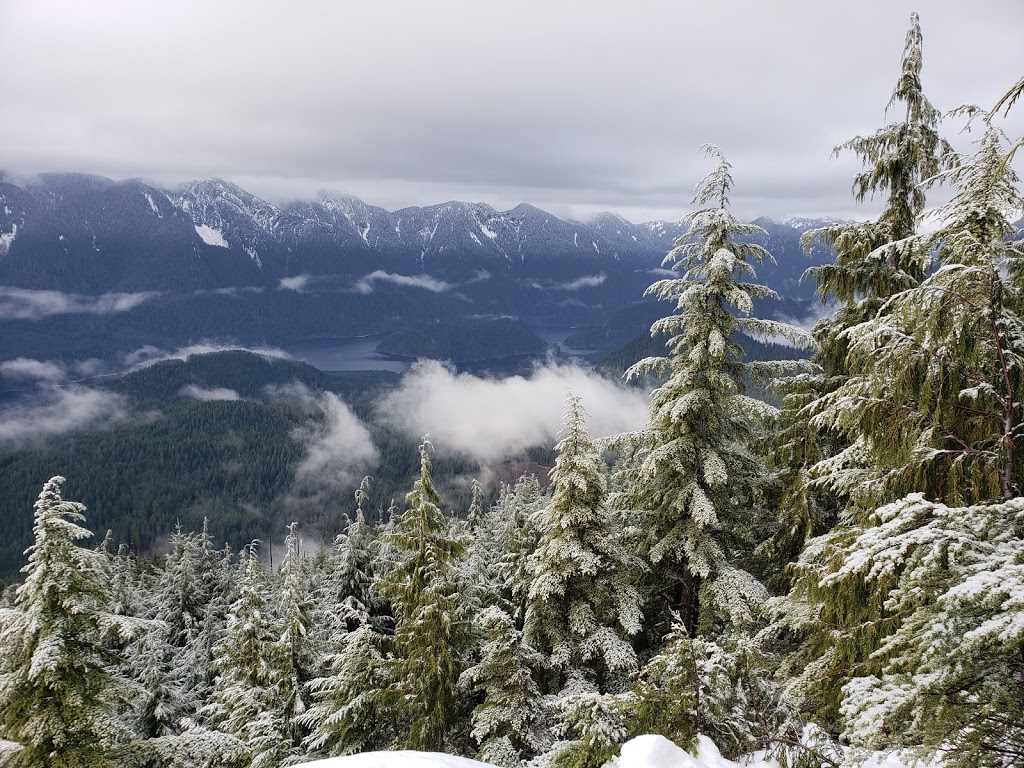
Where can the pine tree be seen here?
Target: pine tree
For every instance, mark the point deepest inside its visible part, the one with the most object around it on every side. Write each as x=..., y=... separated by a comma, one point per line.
x=514, y=537
x=948, y=679
x=246, y=702
x=349, y=711
x=509, y=725
x=58, y=696
x=582, y=602
x=295, y=611
x=692, y=473
x=946, y=356
x=430, y=630
x=719, y=688
x=874, y=260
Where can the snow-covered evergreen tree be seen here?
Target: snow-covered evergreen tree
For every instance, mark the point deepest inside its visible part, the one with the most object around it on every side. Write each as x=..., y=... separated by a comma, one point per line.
x=719, y=688
x=873, y=260
x=510, y=724
x=691, y=474
x=58, y=696
x=295, y=612
x=947, y=356
x=476, y=506
x=583, y=602
x=947, y=680
x=349, y=713
x=247, y=698
x=430, y=627
x=511, y=536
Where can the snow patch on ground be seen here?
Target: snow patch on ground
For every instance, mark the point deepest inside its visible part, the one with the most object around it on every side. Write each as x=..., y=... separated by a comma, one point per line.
x=642, y=752
x=6, y=238
x=211, y=236
x=152, y=205
x=488, y=231
x=402, y=759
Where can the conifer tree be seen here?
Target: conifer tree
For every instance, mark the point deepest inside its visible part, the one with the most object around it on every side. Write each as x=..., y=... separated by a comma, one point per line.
x=874, y=260
x=692, y=472
x=947, y=679
x=349, y=710
x=430, y=630
x=246, y=702
x=58, y=695
x=295, y=609
x=582, y=601
x=510, y=526
x=946, y=356
x=510, y=724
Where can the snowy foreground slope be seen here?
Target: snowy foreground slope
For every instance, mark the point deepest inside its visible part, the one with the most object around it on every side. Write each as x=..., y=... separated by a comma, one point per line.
x=642, y=752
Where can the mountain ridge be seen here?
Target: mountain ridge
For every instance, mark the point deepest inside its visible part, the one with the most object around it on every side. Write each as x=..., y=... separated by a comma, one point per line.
x=90, y=234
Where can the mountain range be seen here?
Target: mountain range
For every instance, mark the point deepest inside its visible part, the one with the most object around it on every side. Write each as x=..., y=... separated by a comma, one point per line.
x=90, y=235
x=96, y=268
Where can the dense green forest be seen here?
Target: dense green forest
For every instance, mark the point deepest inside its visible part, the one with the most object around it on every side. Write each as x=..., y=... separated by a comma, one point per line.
x=180, y=460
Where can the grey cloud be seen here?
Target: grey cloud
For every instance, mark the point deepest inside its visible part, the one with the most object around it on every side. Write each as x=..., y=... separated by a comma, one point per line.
x=26, y=304
x=491, y=419
x=339, y=447
x=365, y=284
x=62, y=410
x=148, y=355
x=209, y=393
x=598, y=106
x=27, y=368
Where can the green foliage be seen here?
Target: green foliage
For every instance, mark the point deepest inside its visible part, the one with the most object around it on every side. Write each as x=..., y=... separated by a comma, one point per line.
x=58, y=697
x=509, y=724
x=692, y=470
x=582, y=580
x=430, y=630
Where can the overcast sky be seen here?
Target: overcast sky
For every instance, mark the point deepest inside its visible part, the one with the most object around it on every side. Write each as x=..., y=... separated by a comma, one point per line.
x=575, y=106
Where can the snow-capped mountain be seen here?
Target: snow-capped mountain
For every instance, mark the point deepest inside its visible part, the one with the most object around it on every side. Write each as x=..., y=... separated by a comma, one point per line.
x=87, y=234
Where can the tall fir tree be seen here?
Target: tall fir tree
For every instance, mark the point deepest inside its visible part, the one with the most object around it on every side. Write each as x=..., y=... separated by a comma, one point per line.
x=59, y=698
x=246, y=703
x=297, y=654
x=873, y=261
x=946, y=356
x=692, y=473
x=583, y=603
x=510, y=723
x=431, y=632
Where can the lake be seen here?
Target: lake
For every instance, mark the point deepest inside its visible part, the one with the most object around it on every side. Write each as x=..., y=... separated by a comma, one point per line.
x=358, y=354
x=345, y=354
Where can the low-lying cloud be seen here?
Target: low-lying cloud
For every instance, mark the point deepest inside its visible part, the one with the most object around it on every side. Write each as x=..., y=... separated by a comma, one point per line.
x=587, y=281
x=61, y=410
x=32, y=370
x=490, y=419
x=209, y=393
x=366, y=284
x=26, y=304
x=149, y=355
x=296, y=283
x=339, y=447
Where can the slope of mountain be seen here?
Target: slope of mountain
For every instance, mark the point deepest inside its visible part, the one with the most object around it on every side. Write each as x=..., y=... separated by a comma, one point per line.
x=210, y=261
x=87, y=234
